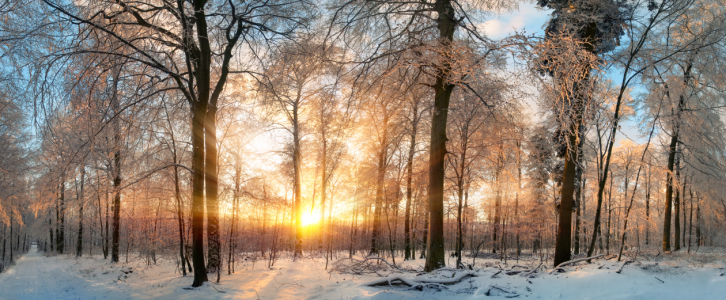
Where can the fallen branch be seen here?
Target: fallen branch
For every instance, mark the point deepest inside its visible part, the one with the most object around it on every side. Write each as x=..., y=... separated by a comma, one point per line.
x=381, y=259
x=620, y=269
x=399, y=280
x=515, y=272
x=532, y=271
x=367, y=265
x=394, y=280
x=453, y=280
x=574, y=261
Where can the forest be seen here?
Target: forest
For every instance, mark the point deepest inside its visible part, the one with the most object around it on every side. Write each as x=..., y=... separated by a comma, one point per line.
x=399, y=144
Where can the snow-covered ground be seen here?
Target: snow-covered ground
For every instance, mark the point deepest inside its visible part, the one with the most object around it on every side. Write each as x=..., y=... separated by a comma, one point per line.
x=674, y=276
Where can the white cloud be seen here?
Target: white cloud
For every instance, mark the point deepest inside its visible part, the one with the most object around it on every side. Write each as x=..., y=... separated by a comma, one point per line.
x=528, y=16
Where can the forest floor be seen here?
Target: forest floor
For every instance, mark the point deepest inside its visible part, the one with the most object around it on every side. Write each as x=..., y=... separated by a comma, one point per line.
x=673, y=276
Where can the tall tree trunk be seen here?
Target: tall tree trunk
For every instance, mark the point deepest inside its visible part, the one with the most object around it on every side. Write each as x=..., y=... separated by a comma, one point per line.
x=647, y=207
x=200, y=271
x=323, y=189
x=425, y=236
x=235, y=202
x=380, y=177
x=99, y=212
x=116, y=166
x=677, y=204
x=516, y=198
x=683, y=206
x=460, y=184
x=11, y=235
x=698, y=225
x=211, y=185
x=50, y=228
x=296, y=162
x=564, y=228
x=446, y=23
x=179, y=215
x=79, y=246
x=690, y=227
x=106, y=236
x=498, y=194
x=459, y=208
x=409, y=189
x=60, y=235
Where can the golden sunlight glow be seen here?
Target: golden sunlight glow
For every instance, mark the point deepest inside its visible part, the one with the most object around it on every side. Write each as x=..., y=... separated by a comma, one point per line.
x=310, y=218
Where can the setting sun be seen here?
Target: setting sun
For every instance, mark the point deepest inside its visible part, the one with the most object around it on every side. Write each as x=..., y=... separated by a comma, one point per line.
x=310, y=218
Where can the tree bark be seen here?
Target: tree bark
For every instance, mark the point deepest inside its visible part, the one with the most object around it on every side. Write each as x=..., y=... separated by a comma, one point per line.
x=380, y=176
x=179, y=209
x=690, y=227
x=297, y=161
x=446, y=23
x=409, y=189
x=60, y=234
x=677, y=204
x=211, y=185
x=79, y=245
x=200, y=271
x=116, y=166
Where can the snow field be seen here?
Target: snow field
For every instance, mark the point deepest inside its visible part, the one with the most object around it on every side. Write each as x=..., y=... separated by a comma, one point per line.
x=673, y=276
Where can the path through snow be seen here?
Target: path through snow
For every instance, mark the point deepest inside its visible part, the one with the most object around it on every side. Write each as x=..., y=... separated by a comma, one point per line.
x=37, y=277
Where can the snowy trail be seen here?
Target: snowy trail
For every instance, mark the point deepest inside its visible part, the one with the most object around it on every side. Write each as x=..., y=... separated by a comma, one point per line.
x=37, y=277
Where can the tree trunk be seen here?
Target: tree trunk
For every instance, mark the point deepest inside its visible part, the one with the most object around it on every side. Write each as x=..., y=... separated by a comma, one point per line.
x=179, y=215
x=107, y=235
x=425, y=236
x=564, y=228
x=79, y=246
x=116, y=167
x=460, y=178
x=690, y=227
x=11, y=236
x=677, y=204
x=60, y=235
x=200, y=271
x=683, y=206
x=698, y=225
x=380, y=177
x=235, y=197
x=435, y=257
x=323, y=185
x=211, y=184
x=498, y=194
x=296, y=162
x=516, y=198
x=409, y=189
x=647, y=207
x=50, y=228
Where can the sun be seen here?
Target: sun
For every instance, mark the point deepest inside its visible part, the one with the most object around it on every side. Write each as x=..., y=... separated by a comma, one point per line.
x=310, y=218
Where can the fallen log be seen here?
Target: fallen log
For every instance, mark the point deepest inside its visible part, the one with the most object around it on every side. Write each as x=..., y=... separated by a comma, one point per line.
x=574, y=261
x=392, y=280
x=399, y=280
x=620, y=269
